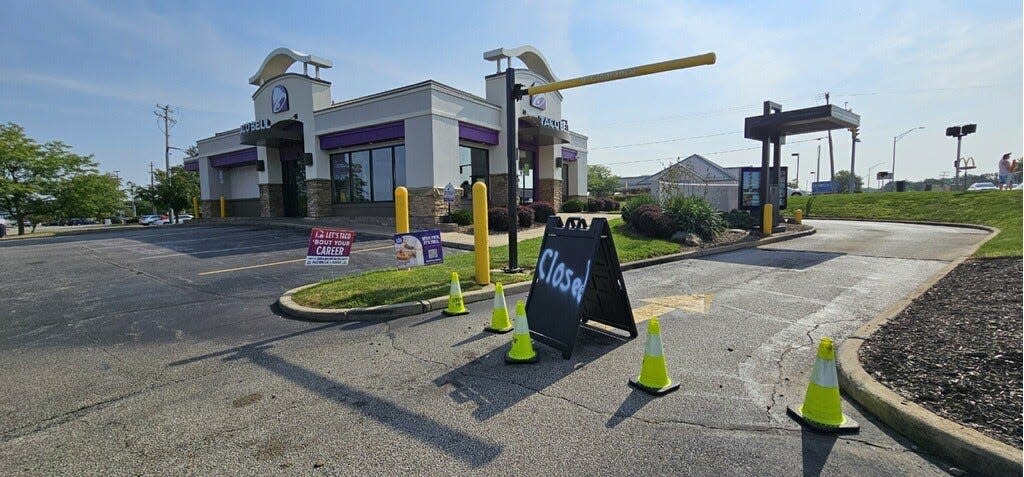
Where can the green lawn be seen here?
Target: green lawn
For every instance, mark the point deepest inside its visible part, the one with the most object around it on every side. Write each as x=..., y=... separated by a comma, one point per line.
x=395, y=286
x=999, y=209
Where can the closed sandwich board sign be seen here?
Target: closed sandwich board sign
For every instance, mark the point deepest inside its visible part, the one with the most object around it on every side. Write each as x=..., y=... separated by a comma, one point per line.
x=577, y=279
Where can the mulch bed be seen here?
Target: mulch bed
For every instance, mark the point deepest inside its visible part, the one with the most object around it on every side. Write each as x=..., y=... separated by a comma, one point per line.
x=956, y=350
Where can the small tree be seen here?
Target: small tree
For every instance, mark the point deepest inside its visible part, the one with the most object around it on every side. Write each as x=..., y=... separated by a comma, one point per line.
x=842, y=182
x=30, y=173
x=174, y=190
x=89, y=195
x=600, y=180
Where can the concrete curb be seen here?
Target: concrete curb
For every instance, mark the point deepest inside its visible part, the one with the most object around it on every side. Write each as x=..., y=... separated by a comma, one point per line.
x=967, y=448
x=398, y=310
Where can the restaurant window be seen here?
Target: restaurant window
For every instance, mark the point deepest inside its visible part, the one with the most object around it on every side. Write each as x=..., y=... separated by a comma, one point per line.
x=368, y=175
x=473, y=168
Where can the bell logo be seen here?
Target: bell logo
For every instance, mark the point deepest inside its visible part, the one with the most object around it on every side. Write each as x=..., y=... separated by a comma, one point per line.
x=279, y=99
x=539, y=101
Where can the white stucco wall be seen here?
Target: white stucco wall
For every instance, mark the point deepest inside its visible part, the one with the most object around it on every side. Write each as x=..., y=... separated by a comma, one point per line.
x=242, y=182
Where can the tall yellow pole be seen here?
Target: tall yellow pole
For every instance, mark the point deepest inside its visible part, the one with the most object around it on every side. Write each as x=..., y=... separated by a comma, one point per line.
x=195, y=207
x=481, y=248
x=223, y=207
x=766, y=220
x=677, y=64
x=401, y=210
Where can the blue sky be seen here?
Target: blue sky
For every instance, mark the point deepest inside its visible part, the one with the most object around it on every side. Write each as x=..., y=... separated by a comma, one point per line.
x=90, y=73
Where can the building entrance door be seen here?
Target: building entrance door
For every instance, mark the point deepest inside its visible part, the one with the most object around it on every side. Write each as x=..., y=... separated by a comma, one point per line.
x=293, y=175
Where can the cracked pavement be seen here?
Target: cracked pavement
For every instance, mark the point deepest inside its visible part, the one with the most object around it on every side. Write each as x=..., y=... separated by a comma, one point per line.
x=117, y=364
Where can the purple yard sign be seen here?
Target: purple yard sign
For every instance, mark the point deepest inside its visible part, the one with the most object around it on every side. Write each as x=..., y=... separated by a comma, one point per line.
x=422, y=247
x=329, y=246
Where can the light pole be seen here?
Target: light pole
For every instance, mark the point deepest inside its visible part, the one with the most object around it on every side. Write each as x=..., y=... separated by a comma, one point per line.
x=896, y=138
x=871, y=169
x=797, y=154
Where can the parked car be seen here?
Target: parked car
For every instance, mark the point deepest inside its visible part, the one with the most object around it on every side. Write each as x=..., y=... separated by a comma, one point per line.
x=79, y=221
x=160, y=220
x=983, y=186
x=182, y=218
x=148, y=219
x=795, y=192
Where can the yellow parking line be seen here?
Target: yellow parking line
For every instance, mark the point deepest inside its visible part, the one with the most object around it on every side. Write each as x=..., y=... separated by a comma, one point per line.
x=226, y=270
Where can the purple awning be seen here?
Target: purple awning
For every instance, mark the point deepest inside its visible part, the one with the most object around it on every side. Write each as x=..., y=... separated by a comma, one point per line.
x=192, y=166
x=355, y=137
x=472, y=132
x=243, y=157
x=568, y=154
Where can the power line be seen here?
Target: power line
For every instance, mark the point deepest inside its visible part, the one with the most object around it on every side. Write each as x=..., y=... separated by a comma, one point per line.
x=663, y=141
x=640, y=161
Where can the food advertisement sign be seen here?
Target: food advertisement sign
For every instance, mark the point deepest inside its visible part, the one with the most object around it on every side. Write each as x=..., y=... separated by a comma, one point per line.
x=418, y=248
x=329, y=246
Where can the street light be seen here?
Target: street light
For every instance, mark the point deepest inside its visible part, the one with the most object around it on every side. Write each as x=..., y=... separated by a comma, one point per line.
x=894, y=140
x=871, y=169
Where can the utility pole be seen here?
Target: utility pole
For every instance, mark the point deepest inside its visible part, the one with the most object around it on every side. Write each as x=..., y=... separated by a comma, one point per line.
x=166, y=113
x=854, y=132
x=831, y=155
x=151, y=186
x=817, y=172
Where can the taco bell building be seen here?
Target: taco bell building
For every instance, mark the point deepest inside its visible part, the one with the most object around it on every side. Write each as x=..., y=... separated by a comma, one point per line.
x=305, y=155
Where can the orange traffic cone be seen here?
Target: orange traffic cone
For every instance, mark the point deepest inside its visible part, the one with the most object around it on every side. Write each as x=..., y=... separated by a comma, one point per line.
x=821, y=409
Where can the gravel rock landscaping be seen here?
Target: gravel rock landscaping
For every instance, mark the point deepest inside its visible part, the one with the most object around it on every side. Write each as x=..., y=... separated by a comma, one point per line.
x=956, y=350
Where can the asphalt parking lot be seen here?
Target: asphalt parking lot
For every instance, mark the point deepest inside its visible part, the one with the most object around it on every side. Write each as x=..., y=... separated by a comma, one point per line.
x=123, y=354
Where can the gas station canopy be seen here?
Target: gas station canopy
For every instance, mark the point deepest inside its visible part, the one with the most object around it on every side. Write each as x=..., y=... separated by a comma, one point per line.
x=799, y=121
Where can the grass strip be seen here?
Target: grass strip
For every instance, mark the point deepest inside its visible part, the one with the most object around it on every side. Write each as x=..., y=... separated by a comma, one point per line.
x=384, y=287
x=1001, y=209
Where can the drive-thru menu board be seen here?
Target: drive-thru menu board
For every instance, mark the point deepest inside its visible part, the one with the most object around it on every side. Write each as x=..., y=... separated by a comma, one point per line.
x=329, y=246
x=577, y=279
x=422, y=247
x=750, y=187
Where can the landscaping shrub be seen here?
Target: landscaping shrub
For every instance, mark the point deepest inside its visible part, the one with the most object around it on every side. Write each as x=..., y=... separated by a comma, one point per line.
x=652, y=221
x=541, y=212
x=573, y=206
x=594, y=205
x=695, y=215
x=609, y=205
x=498, y=219
x=632, y=204
x=525, y=214
x=461, y=217
x=738, y=219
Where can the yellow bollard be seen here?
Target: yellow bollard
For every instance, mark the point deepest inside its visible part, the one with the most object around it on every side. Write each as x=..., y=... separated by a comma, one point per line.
x=401, y=210
x=195, y=207
x=481, y=249
x=223, y=208
x=766, y=220
x=799, y=216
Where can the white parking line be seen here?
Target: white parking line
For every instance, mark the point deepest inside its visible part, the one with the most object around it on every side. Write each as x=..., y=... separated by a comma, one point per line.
x=202, y=252
x=226, y=270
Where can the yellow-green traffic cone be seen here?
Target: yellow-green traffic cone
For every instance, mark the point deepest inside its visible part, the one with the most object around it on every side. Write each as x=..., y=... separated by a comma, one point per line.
x=654, y=372
x=455, y=304
x=500, y=322
x=522, y=346
x=821, y=409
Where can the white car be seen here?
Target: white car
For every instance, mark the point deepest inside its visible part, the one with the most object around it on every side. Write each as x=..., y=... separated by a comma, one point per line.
x=148, y=219
x=184, y=218
x=983, y=186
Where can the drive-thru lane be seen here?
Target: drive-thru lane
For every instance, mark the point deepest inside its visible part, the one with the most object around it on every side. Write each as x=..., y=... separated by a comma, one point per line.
x=116, y=365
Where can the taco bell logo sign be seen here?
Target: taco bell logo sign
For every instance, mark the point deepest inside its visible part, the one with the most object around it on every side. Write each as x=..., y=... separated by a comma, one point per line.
x=539, y=101
x=279, y=99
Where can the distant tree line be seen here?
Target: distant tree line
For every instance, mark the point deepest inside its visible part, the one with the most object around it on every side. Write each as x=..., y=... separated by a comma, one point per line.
x=40, y=182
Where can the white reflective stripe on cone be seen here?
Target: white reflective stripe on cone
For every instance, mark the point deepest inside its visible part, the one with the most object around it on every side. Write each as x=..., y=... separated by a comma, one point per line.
x=825, y=373
x=454, y=288
x=499, y=302
x=521, y=326
x=654, y=346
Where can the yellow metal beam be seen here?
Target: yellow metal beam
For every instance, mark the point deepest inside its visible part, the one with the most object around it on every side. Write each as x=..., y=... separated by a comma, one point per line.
x=677, y=64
